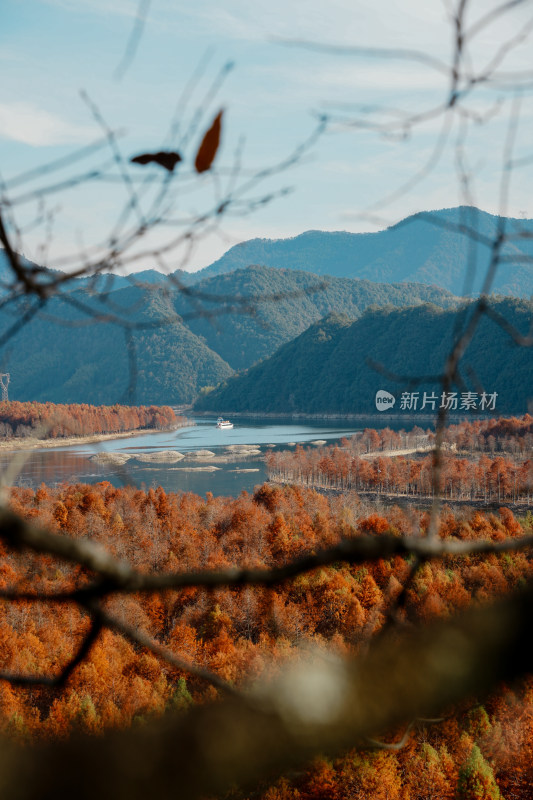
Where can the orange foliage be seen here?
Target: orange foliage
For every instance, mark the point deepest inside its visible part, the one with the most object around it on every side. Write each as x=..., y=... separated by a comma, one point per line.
x=240, y=633
x=52, y=421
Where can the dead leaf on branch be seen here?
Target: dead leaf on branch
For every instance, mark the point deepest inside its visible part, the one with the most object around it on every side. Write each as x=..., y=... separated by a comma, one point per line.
x=209, y=146
x=165, y=158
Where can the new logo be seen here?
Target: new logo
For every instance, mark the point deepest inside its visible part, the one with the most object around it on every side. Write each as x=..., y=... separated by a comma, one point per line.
x=384, y=400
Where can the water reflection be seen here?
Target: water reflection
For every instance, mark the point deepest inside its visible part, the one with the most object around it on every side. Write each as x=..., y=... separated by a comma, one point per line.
x=73, y=464
x=52, y=467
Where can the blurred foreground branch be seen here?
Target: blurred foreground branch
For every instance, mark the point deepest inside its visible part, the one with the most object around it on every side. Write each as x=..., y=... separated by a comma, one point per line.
x=322, y=706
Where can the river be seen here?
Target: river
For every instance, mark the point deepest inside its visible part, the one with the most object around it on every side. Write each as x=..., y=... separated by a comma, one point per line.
x=230, y=473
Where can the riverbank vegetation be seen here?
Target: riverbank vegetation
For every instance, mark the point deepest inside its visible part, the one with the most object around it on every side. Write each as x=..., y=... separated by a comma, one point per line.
x=374, y=462
x=489, y=479
x=53, y=421
x=505, y=435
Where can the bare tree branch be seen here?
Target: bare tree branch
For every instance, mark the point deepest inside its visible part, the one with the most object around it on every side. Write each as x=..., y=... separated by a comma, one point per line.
x=134, y=39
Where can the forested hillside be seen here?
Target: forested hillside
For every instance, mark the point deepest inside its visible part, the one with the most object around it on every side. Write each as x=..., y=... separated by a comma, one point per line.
x=428, y=248
x=329, y=368
x=152, y=344
x=82, y=353
x=286, y=302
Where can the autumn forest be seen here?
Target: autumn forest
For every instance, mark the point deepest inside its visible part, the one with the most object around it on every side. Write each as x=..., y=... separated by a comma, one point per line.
x=52, y=421
x=479, y=749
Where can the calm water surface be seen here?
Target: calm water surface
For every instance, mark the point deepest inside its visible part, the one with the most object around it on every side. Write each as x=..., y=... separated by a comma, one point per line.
x=73, y=464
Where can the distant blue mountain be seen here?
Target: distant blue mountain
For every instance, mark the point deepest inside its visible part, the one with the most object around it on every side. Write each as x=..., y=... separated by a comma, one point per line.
x=109, y=282
x=437, y=248
x=102, y=283
x=8, y=279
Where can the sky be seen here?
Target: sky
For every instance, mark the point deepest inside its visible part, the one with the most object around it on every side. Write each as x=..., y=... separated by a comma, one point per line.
x=68, y=83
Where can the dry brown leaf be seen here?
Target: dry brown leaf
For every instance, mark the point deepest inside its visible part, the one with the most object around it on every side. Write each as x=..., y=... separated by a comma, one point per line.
x=165, y=158
x=209, y=146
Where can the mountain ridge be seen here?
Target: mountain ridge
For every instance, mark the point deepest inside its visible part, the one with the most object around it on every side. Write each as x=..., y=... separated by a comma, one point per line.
x=430, y=247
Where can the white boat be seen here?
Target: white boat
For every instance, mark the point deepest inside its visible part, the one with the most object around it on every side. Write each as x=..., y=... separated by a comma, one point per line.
x=224, y=423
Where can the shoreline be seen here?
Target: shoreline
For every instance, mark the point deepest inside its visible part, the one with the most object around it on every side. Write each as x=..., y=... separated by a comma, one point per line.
x=30, y=443
x=420, y=501
x=297, y=416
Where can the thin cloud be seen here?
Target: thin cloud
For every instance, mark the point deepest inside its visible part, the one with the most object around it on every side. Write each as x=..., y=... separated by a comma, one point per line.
x=26, y=123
